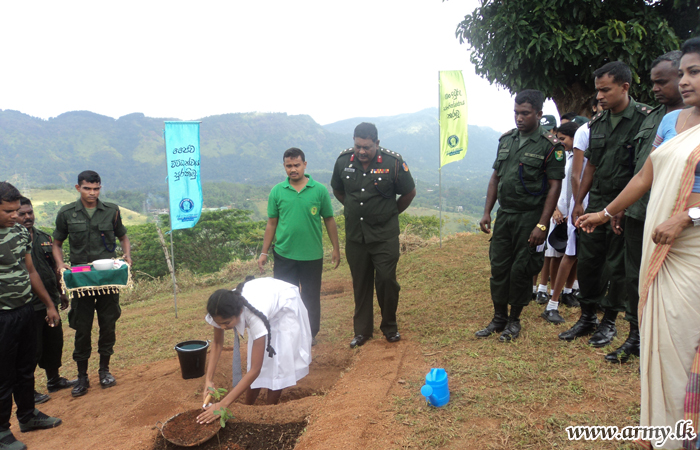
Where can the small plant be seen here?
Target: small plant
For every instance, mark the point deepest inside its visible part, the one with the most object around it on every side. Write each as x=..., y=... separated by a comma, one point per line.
x=223, y=413
x=217, y=393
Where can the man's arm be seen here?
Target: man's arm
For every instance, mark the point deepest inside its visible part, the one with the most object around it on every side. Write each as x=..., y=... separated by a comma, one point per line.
x=576, y=169
x=57, y=273
x=586, y=183
x=126, y=247
x=538, y=236
x=340, y=195
x=270, y=230
x=38, y=288
x=332, y=230
x=405, y=200
x=57, y=250
x=491, y=193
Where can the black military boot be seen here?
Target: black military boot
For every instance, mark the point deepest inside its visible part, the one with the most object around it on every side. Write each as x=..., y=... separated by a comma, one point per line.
x=55, y=382
x=106, y=378
x=498, y=323
x=586, y=324
x=83, y=384
x=628, y=348
x=512, y=330
x=606, y=330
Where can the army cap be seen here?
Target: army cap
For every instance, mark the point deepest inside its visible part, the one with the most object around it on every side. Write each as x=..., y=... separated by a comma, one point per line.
x=548, y=122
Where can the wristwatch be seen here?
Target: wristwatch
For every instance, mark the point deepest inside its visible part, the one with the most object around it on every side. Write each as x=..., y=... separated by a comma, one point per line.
x=694, y=214
x=544, y=227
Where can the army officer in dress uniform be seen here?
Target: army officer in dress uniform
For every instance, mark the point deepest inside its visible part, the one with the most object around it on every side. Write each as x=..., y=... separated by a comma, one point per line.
x=526, y=180
x=366, y=180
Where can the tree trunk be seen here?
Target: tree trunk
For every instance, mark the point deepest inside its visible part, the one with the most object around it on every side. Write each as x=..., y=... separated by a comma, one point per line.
x=576, y=98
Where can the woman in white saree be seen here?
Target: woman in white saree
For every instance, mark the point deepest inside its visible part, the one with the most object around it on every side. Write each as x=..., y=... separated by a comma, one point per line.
x=669, y=280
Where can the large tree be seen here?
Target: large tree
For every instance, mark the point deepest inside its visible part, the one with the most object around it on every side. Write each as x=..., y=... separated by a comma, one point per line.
x=555, y=45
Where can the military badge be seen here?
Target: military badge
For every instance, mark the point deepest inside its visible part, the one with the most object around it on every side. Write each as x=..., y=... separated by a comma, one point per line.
x=559, y=155
x=405, y=167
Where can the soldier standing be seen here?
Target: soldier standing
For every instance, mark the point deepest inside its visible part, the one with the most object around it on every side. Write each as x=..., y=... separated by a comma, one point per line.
x=366, y=180
x=49, y=344
x=526, y=180
x=664, y=79
x=611, y=153
x=91, y=227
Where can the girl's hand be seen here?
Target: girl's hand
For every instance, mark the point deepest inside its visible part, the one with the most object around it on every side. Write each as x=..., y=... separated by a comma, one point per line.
x=557, y=217
x=588, y=222
x=208, y=415
x=207, y=384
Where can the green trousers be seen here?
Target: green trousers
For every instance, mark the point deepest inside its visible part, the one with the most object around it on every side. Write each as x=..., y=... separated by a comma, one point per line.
x=634, y=234
x=513, y=261
x=601, y=268
x=80, y=318
x=374, y=265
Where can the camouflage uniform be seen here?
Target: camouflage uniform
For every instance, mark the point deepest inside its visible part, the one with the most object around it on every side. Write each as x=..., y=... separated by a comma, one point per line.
x=17, y=329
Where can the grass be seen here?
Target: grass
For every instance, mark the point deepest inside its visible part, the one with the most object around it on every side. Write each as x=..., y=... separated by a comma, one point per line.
x=520, y=395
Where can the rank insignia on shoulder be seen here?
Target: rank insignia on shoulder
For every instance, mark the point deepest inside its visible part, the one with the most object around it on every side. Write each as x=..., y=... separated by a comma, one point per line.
x=405, y=167
x=559, y=155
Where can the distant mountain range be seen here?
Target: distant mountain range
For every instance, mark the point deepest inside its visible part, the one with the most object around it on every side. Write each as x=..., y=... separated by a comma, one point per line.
x=243, y=148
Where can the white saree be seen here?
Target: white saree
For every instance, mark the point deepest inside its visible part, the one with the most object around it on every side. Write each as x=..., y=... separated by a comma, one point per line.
x=669, y=286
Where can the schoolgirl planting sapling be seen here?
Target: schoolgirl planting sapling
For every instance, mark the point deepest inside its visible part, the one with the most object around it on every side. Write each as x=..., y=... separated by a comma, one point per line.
x=279, y=339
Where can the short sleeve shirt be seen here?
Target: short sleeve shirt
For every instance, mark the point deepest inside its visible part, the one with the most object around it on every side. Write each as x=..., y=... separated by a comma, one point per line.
x=299, y=234
x=524, y=171
x=90, y=238
x=371, y=212
x=15, y=286
x=612, y=151
x=581, y=137
x=256, y=327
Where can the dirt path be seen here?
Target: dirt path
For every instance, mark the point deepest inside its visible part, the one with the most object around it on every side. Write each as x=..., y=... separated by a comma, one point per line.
x=124, y=417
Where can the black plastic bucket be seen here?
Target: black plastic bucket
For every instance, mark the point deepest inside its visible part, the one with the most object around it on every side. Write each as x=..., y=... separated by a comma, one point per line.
x=193, y=358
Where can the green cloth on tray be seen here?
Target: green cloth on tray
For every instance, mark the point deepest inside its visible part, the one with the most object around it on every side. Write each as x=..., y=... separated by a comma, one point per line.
x=97, y=281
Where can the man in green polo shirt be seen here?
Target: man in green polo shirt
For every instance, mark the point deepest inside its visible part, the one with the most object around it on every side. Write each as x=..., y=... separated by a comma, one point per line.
x=295, y=208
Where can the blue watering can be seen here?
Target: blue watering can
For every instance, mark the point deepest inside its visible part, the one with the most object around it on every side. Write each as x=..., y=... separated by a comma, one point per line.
x=435, y=389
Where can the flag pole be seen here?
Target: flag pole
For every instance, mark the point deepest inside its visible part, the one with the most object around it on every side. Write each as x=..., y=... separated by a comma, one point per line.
x=172, y=249
x=439, y=164
x=172, y=255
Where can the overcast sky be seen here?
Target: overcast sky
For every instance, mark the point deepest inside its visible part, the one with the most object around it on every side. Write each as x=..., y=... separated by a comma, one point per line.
x=329, y=59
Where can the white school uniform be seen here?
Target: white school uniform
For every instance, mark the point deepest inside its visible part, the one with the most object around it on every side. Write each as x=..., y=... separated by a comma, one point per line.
x=289, y=325
x=581, y=139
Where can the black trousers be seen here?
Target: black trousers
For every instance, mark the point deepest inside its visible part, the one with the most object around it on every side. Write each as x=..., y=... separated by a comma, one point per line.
x=17, y=362
x=307, y=275
x=374, y=265
x=49, y=342
x=80, y=318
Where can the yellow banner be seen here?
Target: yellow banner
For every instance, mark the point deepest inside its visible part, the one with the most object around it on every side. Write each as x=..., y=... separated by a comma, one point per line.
x=453, y=117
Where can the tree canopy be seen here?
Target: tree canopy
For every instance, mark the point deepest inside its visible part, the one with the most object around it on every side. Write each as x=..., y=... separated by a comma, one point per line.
x=556, y=45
